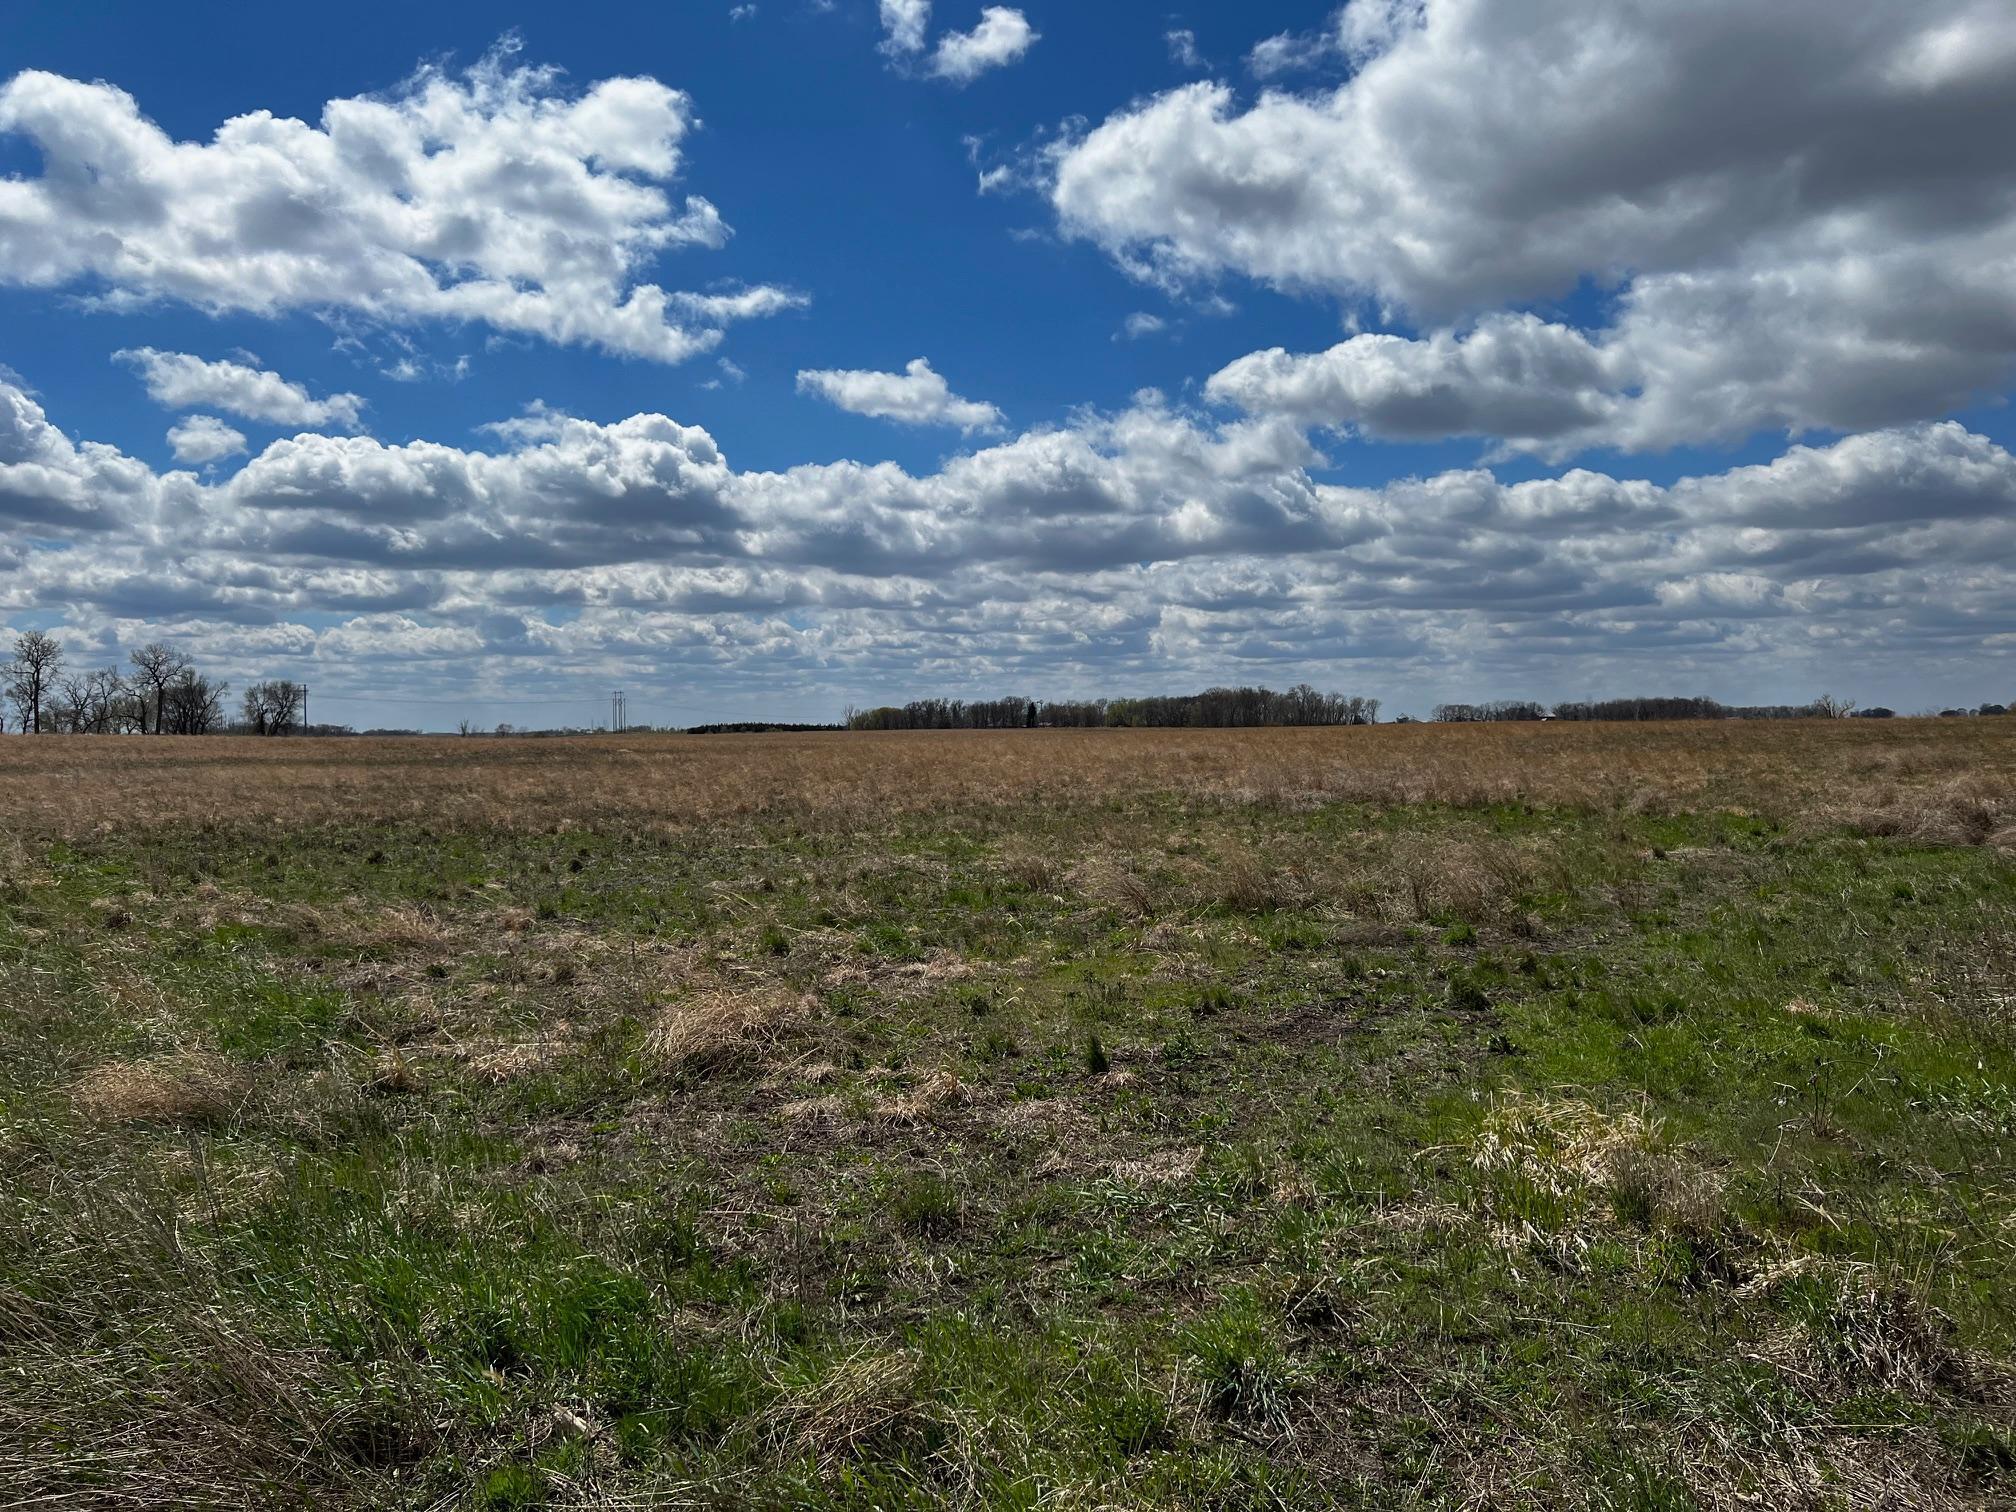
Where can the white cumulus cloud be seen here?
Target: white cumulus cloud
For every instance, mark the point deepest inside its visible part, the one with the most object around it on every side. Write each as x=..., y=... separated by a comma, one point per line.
x=916, y=396
x=1805, y=212
x=904, y=23
x=1151, y=542
x=1001, y=38
x=742, y=304
x=204, y=438
x=491, y=196
x=179, y=380
x=1536, y=383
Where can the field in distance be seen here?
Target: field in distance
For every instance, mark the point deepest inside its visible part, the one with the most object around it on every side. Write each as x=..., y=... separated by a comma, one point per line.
x=1488, y=1116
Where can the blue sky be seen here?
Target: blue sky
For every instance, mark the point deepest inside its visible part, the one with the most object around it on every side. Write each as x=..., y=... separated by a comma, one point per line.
x=839, y=180
x=1490, y=297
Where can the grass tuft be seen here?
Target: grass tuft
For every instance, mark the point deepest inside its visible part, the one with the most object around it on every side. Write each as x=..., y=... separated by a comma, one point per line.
x=190, y=1088
x=712, y=1028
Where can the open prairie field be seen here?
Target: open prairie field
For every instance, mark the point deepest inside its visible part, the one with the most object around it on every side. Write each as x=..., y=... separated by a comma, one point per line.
x=1481, y=1116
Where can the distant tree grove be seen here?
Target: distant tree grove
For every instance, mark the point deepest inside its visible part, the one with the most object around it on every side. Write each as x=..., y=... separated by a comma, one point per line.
x=1226, y=708
x=1824, y=707
x=1215, y=708
x=162, y=693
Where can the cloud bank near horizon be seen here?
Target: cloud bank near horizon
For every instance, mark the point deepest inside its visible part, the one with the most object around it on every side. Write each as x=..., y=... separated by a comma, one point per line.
x=1155, y=544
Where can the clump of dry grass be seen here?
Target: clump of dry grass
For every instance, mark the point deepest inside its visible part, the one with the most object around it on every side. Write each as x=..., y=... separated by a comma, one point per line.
x=1111, y=882
x=827, y=1109
x=393, y=1072
x=1879, y=1331
x=871, y=1399
x=810, y=1070
x=942, y=966
x=1161, y=1167
x=1873, y=1330
x=1028, y=867
x=1657, y=1188
x=15, y=865
x=935, y=1095
x=1472, y=877
x=405, y=927
x=499, y=1059
x=1555, y=1144
x=190, y=1087
x=1053, y=1120
x=1244, y=881
x=712, y=1027
x=1569, y=1148
x=1970, y=810
x=1880, y=1472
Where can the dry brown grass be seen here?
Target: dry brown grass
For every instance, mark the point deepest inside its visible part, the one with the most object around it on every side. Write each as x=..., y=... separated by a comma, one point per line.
x=712, y=1027
x=1162, y=1167
x=1243, y=880
x=1028, y=867
x=1974, y=809
x=1949, y=777
x=1568, y=1147
x=935, y=1094
x=873, y=1397
x=1111, y=881
x=1557, y=1143
x=498, y=1061
x=1469, y=876
x=1879, y=1331
x=187, y=1088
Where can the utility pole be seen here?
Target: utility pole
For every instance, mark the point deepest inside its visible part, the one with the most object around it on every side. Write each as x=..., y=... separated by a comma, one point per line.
x=619, y=713
x=305, y=729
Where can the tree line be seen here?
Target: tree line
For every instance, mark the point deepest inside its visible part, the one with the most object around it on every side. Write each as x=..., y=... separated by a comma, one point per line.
x=1214, y=708
x=1515, y=710
x=1824, y=707
x=1231, y=708
x=160, y=693
x=757, y=727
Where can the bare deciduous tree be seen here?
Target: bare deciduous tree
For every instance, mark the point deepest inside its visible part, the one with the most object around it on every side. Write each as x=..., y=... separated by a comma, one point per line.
x=90, y=704
x=38, y=657
x=70, y=705
x=155, y=666
x=272, y=708
x=105, y=693
x=191, y=705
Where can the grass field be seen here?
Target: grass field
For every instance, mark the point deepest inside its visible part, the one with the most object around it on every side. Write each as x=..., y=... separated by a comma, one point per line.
x=1491, y=1116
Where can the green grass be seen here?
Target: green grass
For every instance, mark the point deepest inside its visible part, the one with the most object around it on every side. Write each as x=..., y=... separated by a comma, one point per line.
x=1144, y=1154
